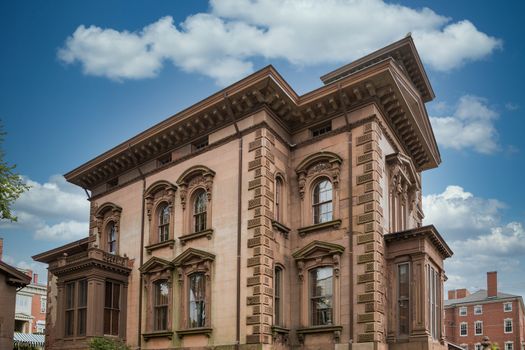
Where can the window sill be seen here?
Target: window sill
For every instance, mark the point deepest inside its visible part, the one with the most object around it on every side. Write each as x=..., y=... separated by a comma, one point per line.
x=281, y=228
x=206, y=233
x=336, y=330
x=194, y=331
x=157, y=334
x=280, y=330
x=303, y=231
x=152, y=247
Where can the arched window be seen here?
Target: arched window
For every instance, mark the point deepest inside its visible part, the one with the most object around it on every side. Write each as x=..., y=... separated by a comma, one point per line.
x=197, y=300
x=163, y=222
x=200, y=204
x=321, y=292
x=322, y=209
x=112, y=238
x=278, y=199
x=160, y=305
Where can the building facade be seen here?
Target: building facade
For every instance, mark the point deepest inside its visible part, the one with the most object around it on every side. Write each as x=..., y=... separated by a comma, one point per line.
x=30, y=311
x=487, y=312
x=10, y=281
x=261, y=219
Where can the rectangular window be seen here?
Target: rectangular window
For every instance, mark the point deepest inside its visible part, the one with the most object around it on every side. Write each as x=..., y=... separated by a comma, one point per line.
x=508, y=325
x=200, y=144
x=463, y=311
x=165, y=159
x=478, y=327
x=478, y=347
x=321, y=130
x=43, y=305
x=509, y=345
x=433, y=284
x=112, y=308
x=463, y=329
x=277, y=296
x=112, y=183
x=70, y=309
x=82, y=307
x=507, y=307
x=403, y=298
x=321, y=284
x=197, y=300
x=478, y=310
x=160, y=307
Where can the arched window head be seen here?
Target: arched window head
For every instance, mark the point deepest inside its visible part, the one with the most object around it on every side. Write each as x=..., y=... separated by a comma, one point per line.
x=111, y=235
x=322, y=208
x=163, y=222
x=278, y=199
x=200, y=203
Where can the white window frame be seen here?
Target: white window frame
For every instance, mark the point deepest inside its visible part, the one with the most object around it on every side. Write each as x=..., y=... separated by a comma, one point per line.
x=478, y=346
x=505, y=307
x=461, y=309
x=480, y=309
x=466, y=329
x=476, y=329
x=507, y=347
x=43, y=304
x=505, y=326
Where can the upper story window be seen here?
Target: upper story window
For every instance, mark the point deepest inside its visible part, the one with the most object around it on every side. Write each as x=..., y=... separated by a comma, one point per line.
x=403, y=298
x=200, y=144
x=478, y=310
x=75, y=308
x=112, y=308
x=322, y=208
x=463, y=329
x=197, y=300
x=277, y=299
x=478, y=327
x=508, y=325
x=165, y=159
x=463, y=311
x=507, y=307
x=509, y=345
x=321, y=129
x=160, y=305
x=163, y=221
x=278, y=199
x=200, y=203
x=43, y=304
x=112, y=183
x=111, y=235
x=321, y=286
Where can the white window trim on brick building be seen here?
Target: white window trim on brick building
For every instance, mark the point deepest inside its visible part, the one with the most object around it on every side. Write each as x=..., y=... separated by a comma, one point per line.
x=505, y=325
x=505, y=307
x=461, y=331
x=478, y=310
x=476, y=327
x=463, y=311
x=509, y=345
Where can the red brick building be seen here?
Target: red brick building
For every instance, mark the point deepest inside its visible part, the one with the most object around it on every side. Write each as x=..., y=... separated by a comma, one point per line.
x=31, y=301
x=500, y=316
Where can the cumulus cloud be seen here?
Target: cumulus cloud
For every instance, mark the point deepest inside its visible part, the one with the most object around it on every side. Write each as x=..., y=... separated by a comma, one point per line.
x=54, y=210
x=458, y=212
x=222, y=43
x=471, y=126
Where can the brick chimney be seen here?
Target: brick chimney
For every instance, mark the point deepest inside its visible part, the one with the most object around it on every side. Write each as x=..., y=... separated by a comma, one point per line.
x=462, y=293
x=451, y=294
x=1, y=247
x=35, y=278
x=492, y=284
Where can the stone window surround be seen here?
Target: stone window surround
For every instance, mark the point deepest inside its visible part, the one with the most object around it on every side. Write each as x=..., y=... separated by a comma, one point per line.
x=155, y=270
x=104, y=215
x=196, y=178
x=189, y=262
x=309, y=172
x=158, y=194
x=313, y=255
x=281, y=224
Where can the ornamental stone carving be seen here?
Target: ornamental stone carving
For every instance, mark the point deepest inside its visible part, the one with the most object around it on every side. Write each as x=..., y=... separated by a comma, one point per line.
x=322, y=163
x=158, y=192
x=196, y=176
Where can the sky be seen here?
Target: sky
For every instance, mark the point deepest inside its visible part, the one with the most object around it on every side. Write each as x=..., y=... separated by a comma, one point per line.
x=77, y=78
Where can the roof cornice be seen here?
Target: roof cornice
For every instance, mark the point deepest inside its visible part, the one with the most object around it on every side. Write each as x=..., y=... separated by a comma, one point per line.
x=429, y=232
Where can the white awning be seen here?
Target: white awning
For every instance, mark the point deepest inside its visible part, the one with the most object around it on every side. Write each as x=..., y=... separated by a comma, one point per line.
x=30, y=339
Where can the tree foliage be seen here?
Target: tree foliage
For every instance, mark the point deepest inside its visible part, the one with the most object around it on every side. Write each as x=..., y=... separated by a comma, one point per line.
x=11, y=184
x=101, y=343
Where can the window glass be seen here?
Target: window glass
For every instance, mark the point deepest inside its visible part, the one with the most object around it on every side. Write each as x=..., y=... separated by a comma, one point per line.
x=277, y=295
x=112, y=238
x=478, y=327
x=112, y=308
x=278, y=198
x=463, y=329
x=508, y=326
x=478, y=310
x=70, y=309
x=507, y=307
x=161, y=306
x=321, y=296
x=462, y=311
x=164, y=222
x=197, y=300
x=199, y=211
x=403, y=298
x=82, y=307
x=322, y=202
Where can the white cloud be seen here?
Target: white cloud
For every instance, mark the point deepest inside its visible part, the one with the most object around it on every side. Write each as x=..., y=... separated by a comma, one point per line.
x=471, y=126
x=221, y=44
x=54, y=210
x=512, y=106
x=456, y=212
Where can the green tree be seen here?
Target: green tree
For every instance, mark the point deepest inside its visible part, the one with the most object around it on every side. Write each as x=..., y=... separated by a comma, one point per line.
x=100, y=343
x=11, y=183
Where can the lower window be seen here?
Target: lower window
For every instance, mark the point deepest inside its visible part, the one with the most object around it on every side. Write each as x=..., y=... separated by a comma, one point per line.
x=112, y=308
x=76, y=305
x=160, y=313
x=197, y=300
x=321, y=285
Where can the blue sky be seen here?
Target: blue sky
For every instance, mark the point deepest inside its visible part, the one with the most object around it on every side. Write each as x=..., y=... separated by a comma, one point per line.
x=77, y=78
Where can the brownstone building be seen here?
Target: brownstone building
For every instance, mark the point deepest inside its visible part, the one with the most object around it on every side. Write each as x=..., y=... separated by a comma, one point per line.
x=10, y=281
x=487, y=312
x=261, y=219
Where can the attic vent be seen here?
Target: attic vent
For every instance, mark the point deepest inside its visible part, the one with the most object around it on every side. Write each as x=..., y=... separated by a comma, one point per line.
x=165, y=159
x=200, y=144
x=112, y=183
x=321, y=129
